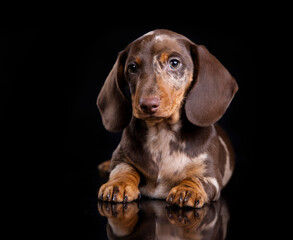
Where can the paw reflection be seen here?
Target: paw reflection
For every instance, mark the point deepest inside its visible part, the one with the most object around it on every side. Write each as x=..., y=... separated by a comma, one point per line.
x=186, y=216
x=122, y=218
x=152, y=219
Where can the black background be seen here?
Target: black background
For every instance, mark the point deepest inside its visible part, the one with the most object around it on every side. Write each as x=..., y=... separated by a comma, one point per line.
x=51, y=130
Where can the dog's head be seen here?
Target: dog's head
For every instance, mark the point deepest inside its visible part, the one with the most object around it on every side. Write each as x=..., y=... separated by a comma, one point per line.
x=155, y=75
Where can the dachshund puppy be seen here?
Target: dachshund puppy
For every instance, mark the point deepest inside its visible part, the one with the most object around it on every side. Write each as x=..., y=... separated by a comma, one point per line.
x=166, y=93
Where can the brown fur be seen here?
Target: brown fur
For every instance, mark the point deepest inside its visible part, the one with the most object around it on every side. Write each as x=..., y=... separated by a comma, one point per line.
x=176, y=151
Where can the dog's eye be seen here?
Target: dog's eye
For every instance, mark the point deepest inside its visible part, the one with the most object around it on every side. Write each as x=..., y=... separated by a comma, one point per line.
x=132, y=67
x=174, y=63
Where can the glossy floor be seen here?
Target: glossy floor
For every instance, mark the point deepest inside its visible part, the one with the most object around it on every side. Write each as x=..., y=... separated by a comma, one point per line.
x=152, y=219
x=88, y=218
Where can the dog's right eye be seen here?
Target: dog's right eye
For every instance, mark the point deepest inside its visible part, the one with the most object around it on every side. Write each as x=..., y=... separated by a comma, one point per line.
x=174, y=63
x=132, y=67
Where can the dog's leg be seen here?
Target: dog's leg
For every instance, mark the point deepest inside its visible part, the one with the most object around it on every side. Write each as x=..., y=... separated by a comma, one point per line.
x=190, y=193
x=122, y=185
x=104, y=168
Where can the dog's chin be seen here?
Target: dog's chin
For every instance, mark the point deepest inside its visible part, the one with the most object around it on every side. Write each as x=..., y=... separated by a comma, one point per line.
x=156, y=118
x=151, y=118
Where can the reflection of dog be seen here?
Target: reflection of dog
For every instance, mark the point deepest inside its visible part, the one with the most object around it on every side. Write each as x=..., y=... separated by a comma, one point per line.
x=167, y=93
x=155, y=221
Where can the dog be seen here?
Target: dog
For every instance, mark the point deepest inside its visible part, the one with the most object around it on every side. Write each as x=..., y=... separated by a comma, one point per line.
x=166, y=93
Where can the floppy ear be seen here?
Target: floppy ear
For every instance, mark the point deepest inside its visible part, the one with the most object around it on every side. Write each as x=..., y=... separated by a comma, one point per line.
x=212, y=91
x=114, y=107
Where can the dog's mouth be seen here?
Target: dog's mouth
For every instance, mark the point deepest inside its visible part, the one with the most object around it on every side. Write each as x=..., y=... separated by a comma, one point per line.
x=158, y=118
x=151, y=117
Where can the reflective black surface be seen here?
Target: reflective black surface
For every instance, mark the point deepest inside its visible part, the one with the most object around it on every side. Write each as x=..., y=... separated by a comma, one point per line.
x=152, y=219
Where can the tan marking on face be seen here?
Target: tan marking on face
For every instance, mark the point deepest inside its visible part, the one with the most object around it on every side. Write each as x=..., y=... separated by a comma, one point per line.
x=164, y=57
x=138, y=60
x=171, y=100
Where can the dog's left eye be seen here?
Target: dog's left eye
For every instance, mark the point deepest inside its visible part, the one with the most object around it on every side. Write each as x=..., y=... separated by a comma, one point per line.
x=174, y=63
x=132, y=67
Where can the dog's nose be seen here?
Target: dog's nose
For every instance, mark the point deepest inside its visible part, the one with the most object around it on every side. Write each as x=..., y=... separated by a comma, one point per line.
x=149, y=104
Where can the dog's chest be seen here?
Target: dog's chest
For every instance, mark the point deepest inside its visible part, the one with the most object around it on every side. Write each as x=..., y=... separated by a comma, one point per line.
x=173, y=165
x=168, y=161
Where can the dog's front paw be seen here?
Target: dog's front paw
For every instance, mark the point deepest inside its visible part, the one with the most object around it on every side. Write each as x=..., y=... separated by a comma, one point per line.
x=113, y=191
x=185, y=196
